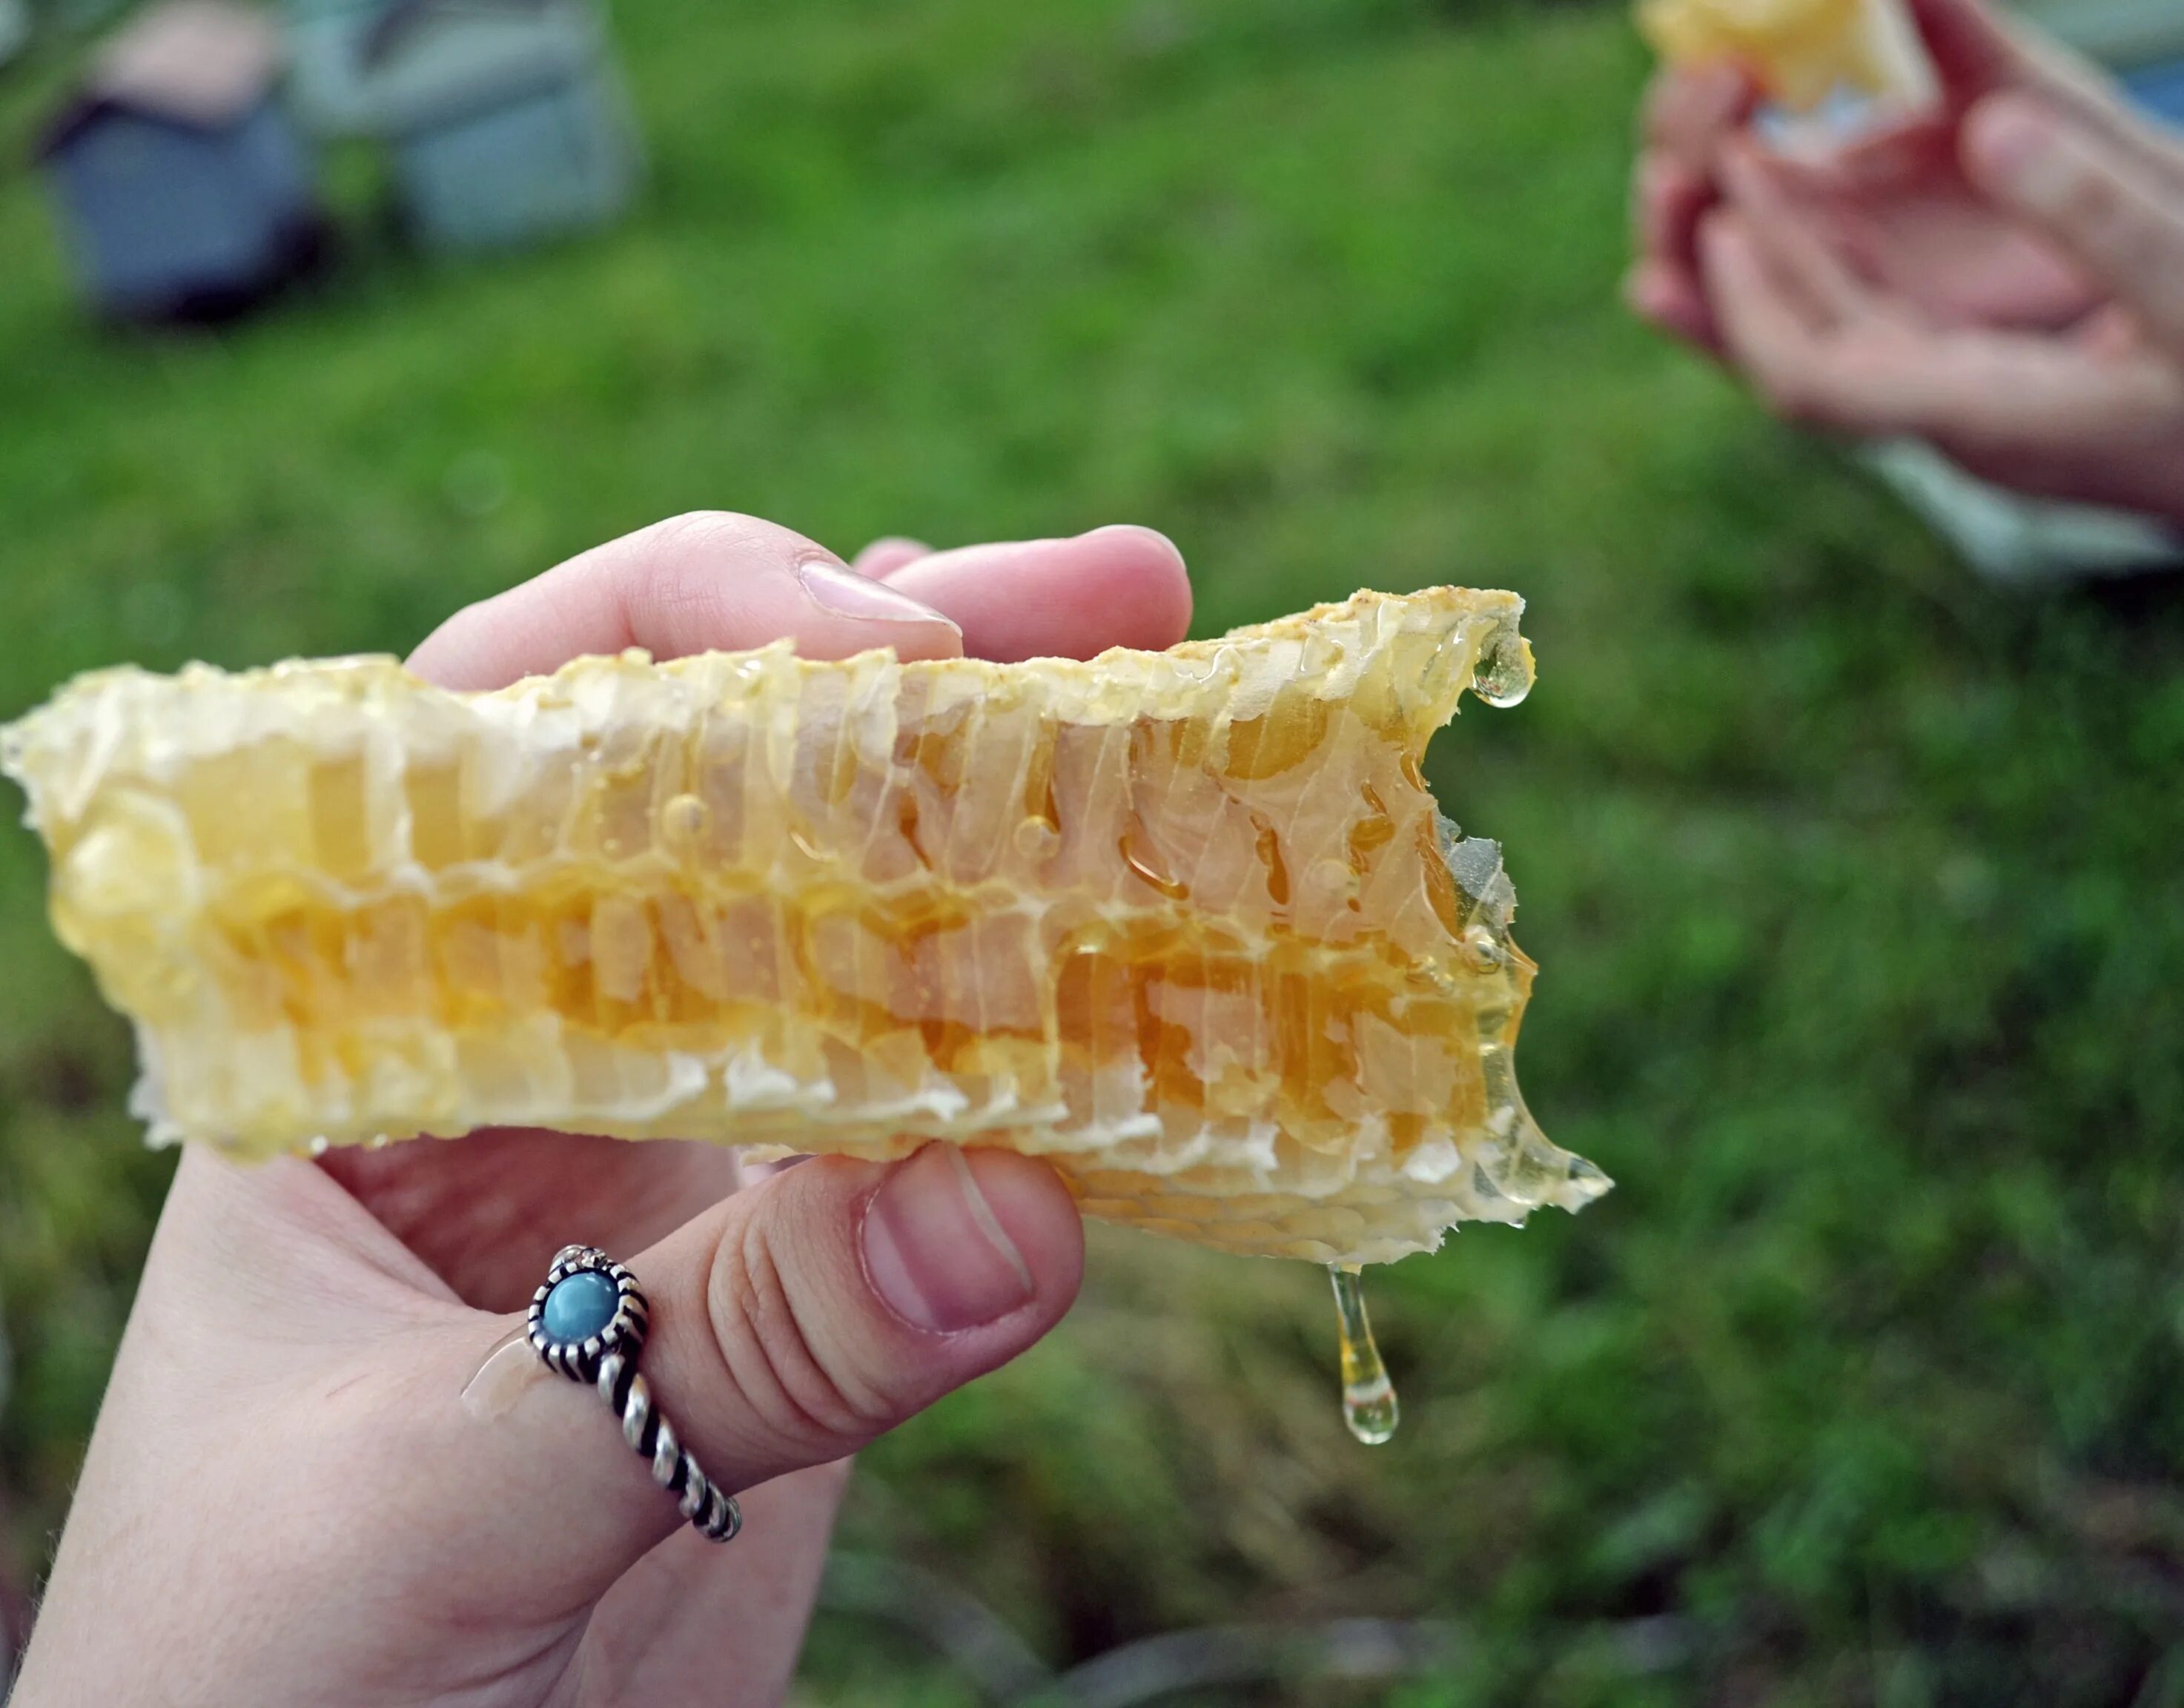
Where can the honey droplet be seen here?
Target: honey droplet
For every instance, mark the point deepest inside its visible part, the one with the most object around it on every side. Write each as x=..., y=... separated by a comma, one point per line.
x=1483, y=950
x=1332, y=877
x=506, y=1373
x=1368, y=1397
x=1503, y=676
x=1036, y=838
x=1142, y=857
x=682, y=822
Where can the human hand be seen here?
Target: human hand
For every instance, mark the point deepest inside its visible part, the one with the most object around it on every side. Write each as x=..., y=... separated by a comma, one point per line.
x=286, y=1501
x=1689, y=113
x=1896, y=205
x=2095, y=413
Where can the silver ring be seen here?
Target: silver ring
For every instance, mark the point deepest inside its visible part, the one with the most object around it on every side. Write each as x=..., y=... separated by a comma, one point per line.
x=597, y=1335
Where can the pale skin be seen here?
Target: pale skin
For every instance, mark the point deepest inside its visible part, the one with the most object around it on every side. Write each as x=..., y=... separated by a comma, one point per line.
x=285, y=1500
x=2003, y=275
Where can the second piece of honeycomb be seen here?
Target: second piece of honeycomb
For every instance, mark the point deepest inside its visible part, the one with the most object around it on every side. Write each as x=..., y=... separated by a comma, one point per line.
x=1186, y=923
x=1801, y=51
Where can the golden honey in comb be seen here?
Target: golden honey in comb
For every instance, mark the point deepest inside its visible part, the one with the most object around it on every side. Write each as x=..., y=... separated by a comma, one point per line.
x=1187, y=924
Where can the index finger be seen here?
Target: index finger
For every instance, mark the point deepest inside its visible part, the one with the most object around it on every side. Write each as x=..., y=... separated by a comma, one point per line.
x=713, y=581
x=707, y=580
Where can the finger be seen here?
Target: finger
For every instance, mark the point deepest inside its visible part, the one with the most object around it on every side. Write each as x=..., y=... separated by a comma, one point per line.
x=1787, y=236
x=1667, y=199
x=1669, y=298
x=884, y=556
x=2109, y=332
x=1977, y=53
x=1689, y=108
x=1765, y=330
x=1815, y=375
x=710, y=580
x=488, y=1211
x=2032, y=413
x=1115, y=586
x=2099, y=204
x=789, y=1325
x=1971, y=51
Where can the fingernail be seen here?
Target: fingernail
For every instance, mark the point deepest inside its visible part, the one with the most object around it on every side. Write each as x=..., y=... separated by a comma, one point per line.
x=2015, y=142
x=848, y=594
x=934, y=1251
x=1151, y=538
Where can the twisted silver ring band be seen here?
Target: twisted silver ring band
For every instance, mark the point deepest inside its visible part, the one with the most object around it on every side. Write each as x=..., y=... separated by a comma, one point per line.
x=587, y=1322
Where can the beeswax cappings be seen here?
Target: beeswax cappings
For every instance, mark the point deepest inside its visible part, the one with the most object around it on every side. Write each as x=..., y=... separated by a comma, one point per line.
x=1187, y=924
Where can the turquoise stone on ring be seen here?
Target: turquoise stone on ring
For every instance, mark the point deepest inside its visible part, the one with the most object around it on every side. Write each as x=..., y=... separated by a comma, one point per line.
x=580, y=1306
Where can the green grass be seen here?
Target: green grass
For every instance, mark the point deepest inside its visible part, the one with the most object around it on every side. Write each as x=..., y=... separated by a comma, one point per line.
x=1857, y=888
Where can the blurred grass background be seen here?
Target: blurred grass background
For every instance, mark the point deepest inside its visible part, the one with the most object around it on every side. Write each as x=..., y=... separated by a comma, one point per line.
x=1859, y=891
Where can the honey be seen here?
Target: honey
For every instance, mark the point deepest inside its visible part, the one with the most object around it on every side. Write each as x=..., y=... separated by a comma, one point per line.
x=1801, y=51
x=1187, y=924
x=1368, y=1397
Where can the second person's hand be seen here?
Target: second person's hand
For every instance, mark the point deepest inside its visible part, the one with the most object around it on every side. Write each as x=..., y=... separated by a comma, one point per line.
x=2092, y=413
x=1898, y=206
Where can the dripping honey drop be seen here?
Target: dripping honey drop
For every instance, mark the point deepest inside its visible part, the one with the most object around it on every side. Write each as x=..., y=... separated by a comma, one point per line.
x=1368, y=1397
x=1504, y=673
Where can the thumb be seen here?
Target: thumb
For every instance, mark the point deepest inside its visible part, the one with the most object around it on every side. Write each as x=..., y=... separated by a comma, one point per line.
x=1976, y=52
x=1972, y=51
x=796, y=1322
x=789, y=1325
x=2103, y=206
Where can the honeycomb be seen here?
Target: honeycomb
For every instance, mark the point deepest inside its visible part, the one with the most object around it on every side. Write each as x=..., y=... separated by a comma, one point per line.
x=1801, y=51
x=1187, y=924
